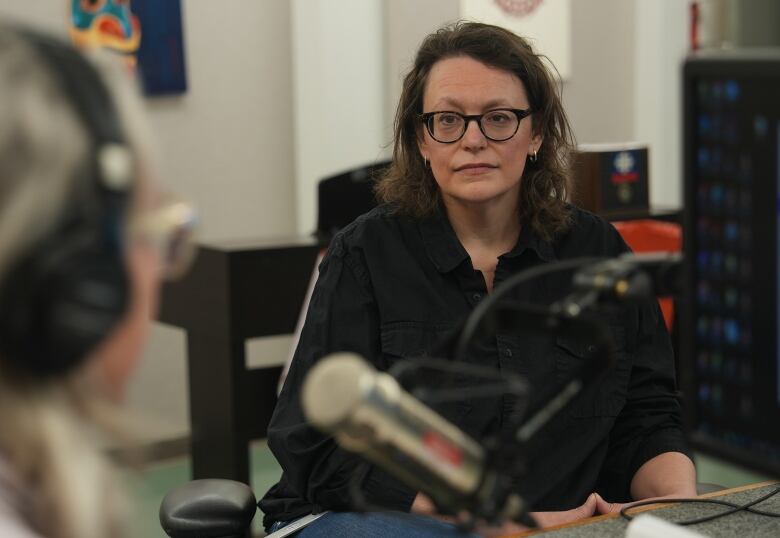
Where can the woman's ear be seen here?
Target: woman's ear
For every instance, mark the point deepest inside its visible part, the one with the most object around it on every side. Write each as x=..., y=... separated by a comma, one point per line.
x=422, y=145
x=536, y=143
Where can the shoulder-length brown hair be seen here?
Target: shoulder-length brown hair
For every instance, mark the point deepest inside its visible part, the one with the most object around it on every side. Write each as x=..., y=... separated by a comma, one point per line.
x=409, y=184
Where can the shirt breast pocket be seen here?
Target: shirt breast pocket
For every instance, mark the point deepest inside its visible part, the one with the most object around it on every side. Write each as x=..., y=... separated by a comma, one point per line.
x=607, y=395
x=410, y=341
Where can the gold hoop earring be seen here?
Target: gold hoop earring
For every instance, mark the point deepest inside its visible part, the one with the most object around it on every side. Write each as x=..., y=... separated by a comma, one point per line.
x=535, y=157
x=426, y=162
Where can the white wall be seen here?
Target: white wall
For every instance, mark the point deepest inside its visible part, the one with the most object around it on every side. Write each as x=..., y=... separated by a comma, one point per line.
x=661, y=45
x=599, y=94
x=45, y=14
x=229, y=140
x=406, y=24
x=755, y=23
x=338, y=93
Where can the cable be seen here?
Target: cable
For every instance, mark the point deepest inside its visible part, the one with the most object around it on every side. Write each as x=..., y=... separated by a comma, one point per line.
x=475, y=318
x=501, y=383
x=734, y=508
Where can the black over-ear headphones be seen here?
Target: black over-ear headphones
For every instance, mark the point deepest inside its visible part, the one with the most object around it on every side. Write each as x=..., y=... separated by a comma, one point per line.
x=71, y=289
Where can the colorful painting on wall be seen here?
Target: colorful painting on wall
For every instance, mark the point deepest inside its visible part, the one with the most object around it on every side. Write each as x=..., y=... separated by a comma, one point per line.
x=109, y=24
x=146, y=33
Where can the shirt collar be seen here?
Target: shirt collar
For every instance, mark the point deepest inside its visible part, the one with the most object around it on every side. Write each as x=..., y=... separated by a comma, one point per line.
x=529, y=240
x=446, y=252
x=441, y=243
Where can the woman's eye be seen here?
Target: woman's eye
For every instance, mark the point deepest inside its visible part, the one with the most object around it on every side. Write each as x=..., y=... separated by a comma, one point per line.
x=497, y=117
x=448, y=119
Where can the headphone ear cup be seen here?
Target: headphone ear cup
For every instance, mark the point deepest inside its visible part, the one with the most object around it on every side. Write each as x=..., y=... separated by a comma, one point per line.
x=87, y=297
x=53, y=318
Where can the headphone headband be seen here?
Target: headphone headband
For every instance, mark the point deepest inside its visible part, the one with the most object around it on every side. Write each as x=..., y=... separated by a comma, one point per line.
x=63, y=298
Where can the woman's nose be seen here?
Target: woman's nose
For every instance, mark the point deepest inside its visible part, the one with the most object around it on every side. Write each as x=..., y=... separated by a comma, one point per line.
x=473, y=138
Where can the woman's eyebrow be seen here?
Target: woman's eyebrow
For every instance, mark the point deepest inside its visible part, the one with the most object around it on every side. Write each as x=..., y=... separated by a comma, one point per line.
x=456, y=103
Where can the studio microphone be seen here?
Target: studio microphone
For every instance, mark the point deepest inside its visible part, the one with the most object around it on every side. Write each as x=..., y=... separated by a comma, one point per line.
x=634, y=277
x=367, y=412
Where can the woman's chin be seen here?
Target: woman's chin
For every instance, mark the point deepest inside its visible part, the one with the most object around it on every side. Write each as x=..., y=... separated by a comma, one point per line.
x=476, y=195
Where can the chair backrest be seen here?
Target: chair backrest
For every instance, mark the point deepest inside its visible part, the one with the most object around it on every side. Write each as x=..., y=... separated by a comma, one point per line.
x=343, y=197
x=647, y=235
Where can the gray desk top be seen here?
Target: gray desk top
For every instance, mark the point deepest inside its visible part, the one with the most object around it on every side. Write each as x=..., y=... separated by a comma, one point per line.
x=741, y=524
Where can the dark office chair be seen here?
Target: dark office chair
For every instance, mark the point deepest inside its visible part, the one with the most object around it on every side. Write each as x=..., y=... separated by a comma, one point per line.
x=210, y=508
x=343, y=197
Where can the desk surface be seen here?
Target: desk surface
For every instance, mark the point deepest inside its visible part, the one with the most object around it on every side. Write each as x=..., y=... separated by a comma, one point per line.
x=739, y=524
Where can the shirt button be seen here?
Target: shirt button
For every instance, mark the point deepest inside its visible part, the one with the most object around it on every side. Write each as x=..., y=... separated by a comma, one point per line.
x=591, y=348
x=507, y=352
x=477, y=297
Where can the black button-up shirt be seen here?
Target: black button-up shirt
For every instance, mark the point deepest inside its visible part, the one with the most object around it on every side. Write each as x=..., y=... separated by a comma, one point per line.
x=392, y=287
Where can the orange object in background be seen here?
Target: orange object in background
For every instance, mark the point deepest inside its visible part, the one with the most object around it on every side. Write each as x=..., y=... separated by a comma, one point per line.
x=646, y=235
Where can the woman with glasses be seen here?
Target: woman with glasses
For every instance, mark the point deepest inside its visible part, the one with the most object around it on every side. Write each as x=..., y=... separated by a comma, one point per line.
x=477, y=193
x=84, y=239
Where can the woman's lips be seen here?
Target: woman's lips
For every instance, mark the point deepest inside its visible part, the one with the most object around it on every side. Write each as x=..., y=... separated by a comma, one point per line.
x=475, y=168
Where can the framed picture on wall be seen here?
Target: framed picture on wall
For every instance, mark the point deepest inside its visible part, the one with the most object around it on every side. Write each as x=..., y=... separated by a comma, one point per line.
x=147, y=34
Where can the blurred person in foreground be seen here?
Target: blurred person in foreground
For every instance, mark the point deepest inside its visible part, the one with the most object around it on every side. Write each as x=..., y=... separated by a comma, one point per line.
x=477, y=193
x=84, y=240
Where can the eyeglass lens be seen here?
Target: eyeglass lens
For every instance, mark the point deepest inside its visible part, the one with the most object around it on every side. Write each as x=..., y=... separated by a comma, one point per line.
x=497, y=125
x=171, y=228
x=179, y=252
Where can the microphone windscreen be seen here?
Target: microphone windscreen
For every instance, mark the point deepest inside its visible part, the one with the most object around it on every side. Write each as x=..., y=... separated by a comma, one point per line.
x=333, y=390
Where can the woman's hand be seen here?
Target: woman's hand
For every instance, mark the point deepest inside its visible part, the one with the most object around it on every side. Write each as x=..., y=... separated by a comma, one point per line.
x=586, y=509
x=424, y=506
x=604, y=507
x=545, y=519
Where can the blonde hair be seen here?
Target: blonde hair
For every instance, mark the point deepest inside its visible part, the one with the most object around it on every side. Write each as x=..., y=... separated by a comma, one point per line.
x=53, y=432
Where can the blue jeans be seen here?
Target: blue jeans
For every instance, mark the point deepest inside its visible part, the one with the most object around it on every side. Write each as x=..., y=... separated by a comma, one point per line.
x=376, y=525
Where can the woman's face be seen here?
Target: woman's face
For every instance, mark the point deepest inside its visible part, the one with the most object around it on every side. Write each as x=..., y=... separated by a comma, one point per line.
x=116, y=358
x=475, y=170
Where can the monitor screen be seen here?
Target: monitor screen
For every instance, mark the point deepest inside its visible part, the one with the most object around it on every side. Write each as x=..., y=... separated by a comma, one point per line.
x=730, y=338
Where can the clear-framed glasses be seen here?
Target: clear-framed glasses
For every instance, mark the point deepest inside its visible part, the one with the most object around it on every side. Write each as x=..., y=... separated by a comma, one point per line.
x=170, y=227
x=497, y=125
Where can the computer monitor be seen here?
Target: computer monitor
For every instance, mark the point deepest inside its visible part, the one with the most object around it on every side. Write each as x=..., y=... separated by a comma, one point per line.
x=730, y=339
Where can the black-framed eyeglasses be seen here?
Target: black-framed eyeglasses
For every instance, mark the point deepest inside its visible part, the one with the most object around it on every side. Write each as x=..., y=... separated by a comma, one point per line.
x=499, y=124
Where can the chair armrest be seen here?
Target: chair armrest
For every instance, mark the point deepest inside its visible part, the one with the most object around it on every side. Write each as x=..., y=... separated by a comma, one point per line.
x=208, y=508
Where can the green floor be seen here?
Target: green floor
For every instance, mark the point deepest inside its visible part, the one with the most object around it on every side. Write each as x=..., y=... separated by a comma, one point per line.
x=152, y=484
